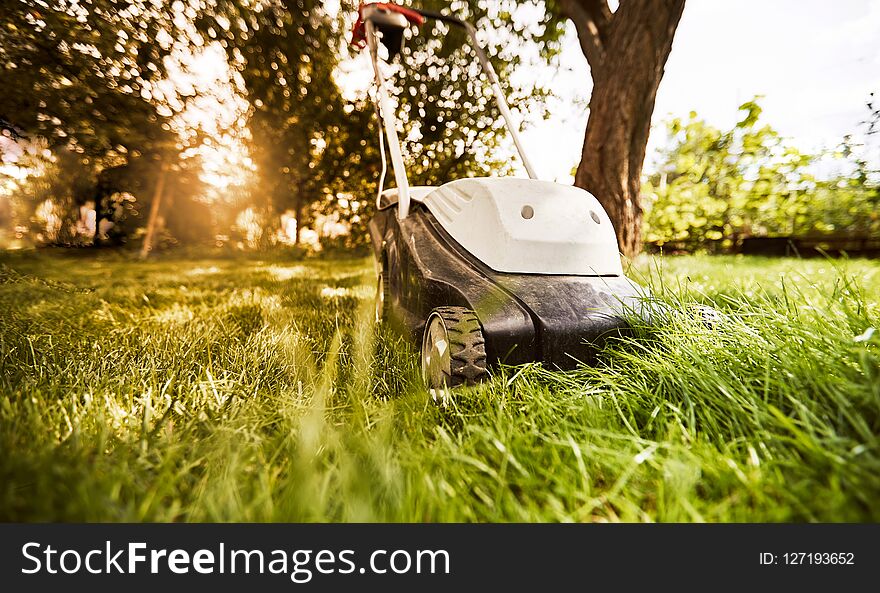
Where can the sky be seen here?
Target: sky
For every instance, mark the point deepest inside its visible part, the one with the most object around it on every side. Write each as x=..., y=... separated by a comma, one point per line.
x=814, y=62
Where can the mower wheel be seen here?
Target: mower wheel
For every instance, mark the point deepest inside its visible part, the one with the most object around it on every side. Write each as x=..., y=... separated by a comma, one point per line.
x=383, y=295
x=453, y=349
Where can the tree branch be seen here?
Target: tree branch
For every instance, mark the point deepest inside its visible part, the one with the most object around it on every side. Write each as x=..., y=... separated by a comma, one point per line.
x=591, y=19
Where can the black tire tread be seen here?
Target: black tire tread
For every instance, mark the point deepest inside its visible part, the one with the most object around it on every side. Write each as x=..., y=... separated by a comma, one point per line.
x=386, y=291
x=468, y=364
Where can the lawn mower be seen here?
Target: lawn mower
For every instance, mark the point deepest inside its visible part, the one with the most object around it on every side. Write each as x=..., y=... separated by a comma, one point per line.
x=481, y=271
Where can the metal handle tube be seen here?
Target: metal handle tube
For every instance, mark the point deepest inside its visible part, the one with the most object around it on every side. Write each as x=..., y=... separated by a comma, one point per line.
x=389, y=122
x=501, y=100
x=493, y=81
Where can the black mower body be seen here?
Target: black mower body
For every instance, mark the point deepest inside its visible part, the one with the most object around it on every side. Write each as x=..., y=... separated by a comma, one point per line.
x=559, y=320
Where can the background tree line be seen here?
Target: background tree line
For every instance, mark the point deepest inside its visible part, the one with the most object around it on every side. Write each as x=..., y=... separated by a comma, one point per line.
x=100, y=95
x=713, y=188
x=95, y=116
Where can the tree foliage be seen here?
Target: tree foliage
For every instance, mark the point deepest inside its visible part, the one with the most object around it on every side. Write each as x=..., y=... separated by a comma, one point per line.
x=317, y=147
x=286, y=52
x=716, y=187
x=97, y=69
x=84, y=72
x=88, y=73
x=99, y=111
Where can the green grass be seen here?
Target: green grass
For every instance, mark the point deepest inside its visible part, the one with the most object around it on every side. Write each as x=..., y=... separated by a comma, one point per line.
x=257, y=390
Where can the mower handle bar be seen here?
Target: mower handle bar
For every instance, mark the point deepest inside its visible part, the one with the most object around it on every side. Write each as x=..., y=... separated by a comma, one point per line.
x=389, y=118
x=493, y=81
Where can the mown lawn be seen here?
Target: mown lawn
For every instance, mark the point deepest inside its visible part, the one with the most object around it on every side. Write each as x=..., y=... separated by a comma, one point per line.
x=259, y=390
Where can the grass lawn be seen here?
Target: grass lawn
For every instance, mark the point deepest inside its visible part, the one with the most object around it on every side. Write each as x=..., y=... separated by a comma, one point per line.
x=259, y=390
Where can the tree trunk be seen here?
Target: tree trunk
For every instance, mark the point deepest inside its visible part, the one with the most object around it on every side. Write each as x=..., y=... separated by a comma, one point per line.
x=153, y=221
x=99, y=216
x=299, y=212
x=627, y=51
